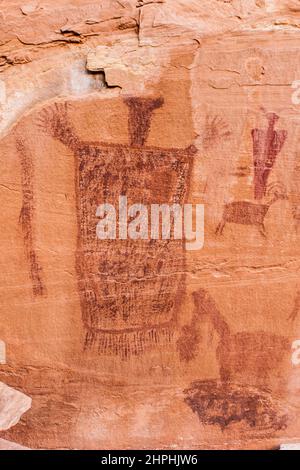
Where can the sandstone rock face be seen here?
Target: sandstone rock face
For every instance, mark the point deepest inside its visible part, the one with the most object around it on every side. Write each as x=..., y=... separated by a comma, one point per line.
x=142, y=343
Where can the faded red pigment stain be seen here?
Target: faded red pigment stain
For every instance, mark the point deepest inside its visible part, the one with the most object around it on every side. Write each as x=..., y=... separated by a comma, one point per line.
x=26, y=217
x=242, y=357
x=128, y=288
x=267, y=144
x=296, y=217
x=215, y=131
x=188, y=343
x=296, y=308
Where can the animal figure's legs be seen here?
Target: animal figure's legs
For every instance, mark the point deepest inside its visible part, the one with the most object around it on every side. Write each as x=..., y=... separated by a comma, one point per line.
x=220, y=227
x=262, y=230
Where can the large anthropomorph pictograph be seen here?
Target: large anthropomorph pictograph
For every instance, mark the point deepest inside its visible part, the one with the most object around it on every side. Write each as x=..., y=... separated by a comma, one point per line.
x=128, y=288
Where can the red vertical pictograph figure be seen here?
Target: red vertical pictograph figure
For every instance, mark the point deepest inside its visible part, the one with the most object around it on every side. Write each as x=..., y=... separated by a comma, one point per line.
x=267, y=144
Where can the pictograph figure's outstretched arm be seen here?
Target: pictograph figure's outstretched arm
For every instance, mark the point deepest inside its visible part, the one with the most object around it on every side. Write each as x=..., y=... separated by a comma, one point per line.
x=55, y=122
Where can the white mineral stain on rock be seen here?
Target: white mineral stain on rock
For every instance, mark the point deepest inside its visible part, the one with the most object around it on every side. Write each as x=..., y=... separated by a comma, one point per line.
x=2, y=92
x=9, y=445
x=2, y=352
x=13, y=404
x=81, y=82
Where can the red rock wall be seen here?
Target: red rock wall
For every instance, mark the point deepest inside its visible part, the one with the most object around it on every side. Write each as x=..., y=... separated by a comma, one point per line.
x=132, y=344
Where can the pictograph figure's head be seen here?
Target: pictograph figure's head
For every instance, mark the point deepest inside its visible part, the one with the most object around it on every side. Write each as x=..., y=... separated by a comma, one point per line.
x=140, y=114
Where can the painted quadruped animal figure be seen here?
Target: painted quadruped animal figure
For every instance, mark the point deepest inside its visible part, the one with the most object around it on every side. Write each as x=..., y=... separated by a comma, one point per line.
x=251, y=213
x=252, y=369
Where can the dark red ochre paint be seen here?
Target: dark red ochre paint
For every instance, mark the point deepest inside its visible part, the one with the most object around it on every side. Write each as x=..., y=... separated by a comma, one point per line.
x=267, y=144
x=26, y=217
x=244, y=358
x=128, y=288
x=296, y=308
